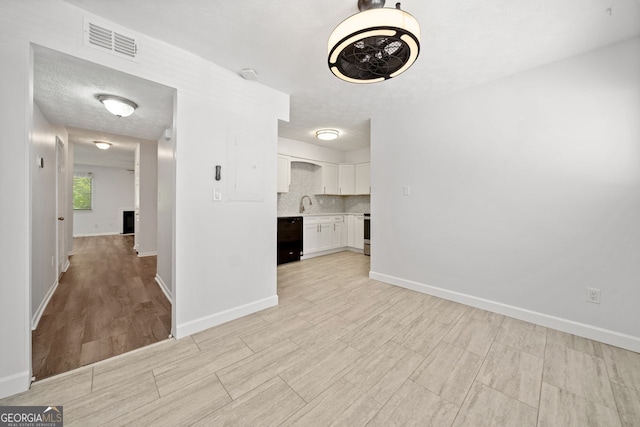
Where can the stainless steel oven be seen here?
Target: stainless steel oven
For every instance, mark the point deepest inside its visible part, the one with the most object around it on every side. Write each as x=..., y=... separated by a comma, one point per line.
x=367, y=234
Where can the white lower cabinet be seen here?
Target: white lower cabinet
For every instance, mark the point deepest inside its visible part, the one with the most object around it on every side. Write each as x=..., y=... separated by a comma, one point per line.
x=355, y=231
x=310, y=237
x=349, y=220
x=338, y=234
x=321, y=233
x=358, y=232
x=326, y=236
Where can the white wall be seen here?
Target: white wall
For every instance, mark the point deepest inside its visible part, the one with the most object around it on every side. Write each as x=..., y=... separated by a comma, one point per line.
x=304, y=150
x=524, y=192
x=362, y=155
x=225, y=259
x=44, y=217
x=15, y=217
x=147, y=223
x=112, y=193
x=166, y=215
x=69, y=218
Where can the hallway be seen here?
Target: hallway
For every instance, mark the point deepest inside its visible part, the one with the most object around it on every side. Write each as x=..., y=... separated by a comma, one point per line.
x=107, y=303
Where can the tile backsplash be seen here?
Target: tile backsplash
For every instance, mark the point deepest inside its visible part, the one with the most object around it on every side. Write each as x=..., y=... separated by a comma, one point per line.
x=357, y=204
x=302, y=175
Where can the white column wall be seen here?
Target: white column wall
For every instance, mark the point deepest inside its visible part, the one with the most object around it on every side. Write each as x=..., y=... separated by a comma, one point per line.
x=166, y=217
x=225, y=252
x=16, y=120
x=44, y=216
x=147, y=232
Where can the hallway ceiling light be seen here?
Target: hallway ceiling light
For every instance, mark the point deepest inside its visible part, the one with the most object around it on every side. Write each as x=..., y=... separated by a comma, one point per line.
x=117, y=105
x=327, y=134
x=375, y=44
x=103, y=145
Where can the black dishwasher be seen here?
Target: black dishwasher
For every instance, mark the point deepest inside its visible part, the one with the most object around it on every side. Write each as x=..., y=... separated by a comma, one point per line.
x=289, y=239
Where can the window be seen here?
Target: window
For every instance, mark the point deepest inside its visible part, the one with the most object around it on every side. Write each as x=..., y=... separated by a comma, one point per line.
x=82, y=191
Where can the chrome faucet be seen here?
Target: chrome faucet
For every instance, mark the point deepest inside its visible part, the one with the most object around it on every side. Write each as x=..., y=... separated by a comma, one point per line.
x=302, y=204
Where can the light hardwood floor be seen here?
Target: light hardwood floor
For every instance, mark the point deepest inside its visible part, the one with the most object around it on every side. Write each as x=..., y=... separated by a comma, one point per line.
x=107, y=303
x=343, y=349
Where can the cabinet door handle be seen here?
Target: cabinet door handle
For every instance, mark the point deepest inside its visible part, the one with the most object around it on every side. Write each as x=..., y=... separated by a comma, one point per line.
x=324, y=189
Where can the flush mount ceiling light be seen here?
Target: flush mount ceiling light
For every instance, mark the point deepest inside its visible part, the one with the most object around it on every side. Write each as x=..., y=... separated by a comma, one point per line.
x=327, y=134
x=103, y=145
x=248, y=74
x=374, y=45
x=117, y=105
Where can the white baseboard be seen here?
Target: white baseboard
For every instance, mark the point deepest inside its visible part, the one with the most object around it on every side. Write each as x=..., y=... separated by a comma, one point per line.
x=565, y=325
x=197, y=325
x=112, y=233
x=35, y=319
x=14, y=384
x=144, y=254
x=66, y=266
x=165, y=289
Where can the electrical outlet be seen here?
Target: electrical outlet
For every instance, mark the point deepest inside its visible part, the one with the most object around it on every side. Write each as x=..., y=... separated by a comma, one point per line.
x=593, y=295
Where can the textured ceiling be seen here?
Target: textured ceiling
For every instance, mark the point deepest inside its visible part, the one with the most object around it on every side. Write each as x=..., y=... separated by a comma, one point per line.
x=121, y=154
x=464, y=43
x=65, y=89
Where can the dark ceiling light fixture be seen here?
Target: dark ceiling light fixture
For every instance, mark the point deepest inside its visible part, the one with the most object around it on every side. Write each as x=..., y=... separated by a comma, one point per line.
x=375, y=44
x=117, y=105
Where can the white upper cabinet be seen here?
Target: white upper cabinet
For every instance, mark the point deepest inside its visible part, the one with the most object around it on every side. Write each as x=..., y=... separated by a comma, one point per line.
x=284, y=173
x=326, y=181
x=363, y=178
x=346, y=180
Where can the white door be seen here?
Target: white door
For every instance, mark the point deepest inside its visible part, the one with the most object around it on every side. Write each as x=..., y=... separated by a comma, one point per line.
x=60, y=206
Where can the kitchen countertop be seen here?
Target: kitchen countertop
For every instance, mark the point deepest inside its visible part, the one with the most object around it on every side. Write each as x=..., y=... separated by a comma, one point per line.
x=320, y=214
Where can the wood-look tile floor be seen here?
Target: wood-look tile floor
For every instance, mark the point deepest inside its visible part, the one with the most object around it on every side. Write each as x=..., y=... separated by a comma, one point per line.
x=107, y=303
x=343, y=349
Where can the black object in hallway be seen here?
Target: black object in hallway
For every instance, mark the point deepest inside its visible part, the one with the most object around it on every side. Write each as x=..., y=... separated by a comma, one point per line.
x=128, y=222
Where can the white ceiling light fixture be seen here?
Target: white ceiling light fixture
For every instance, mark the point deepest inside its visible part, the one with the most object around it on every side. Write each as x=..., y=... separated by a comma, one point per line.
x=327, y=134
x=103, y=145
x=374, y=45
x=117, y=105
x=249, y=74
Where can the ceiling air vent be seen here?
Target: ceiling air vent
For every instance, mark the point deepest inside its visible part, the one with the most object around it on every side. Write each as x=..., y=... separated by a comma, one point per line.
x=106, y=38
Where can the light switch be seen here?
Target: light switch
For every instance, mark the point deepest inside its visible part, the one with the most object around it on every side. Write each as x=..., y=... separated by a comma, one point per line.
x=406, y=190
x=217, y=194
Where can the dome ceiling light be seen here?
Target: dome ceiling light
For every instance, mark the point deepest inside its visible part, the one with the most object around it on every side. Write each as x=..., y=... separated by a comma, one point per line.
x=327, y=134
x=103, y=145
x=375, y=44
x=117, y=105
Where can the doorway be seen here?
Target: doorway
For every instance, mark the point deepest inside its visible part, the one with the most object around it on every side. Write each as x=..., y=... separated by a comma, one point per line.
x=61, y=258
x=101, y=305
